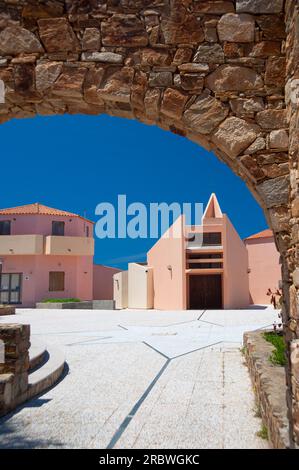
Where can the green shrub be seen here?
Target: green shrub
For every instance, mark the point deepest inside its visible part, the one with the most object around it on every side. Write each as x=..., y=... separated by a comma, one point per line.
x=263, y=433
x=59, y=301
x=278, y=355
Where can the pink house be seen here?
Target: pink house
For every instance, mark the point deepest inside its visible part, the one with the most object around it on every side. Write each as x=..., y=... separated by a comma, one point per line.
x=264, y=268
x=201, y=267
x=48, y=253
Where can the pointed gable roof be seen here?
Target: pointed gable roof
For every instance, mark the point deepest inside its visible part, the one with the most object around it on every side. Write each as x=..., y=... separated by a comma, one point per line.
x=37, y=209
x=264, y=234
x=213, y=209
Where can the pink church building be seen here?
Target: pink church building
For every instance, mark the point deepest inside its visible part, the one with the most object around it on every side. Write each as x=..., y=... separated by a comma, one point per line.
x=48, y=253
x=201, y=267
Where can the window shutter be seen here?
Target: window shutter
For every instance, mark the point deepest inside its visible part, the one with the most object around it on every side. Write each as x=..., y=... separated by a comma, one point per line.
x=56, y=281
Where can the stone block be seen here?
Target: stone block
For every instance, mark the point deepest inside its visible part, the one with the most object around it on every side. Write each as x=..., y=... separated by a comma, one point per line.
x=209, y=53
x=104, y=57
x=16, y=40
x=264, y=49
x=160, y=79
x=256, y=146
x=181, y=28
x=117, y=85
x=274, y=192
x=295, y=207
x=236, y=28
x=57, y=35
x=173, y=103
x=70, y=82
x=247, y=107
x=91, y=40
x=214, y=8
x=272, y=119
x=295, y=358
x=205, y=114
x=259, y=6
x=191, y=82
x=122, y=30
x=6, y=392
x=275, y=71
x=46, y=74
x=279, y=217
x=234, y=135
x=279, y=139
x=295, y=276
x=272, y=26
x=233, y=78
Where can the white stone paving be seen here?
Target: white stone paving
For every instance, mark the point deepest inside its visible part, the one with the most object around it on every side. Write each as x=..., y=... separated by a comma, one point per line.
x=198, y=391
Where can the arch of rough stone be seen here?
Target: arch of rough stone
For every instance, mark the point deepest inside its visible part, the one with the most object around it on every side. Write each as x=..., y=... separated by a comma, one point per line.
x=221, y=73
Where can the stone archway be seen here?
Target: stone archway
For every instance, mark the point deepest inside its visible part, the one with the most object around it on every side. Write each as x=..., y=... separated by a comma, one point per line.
x=212, y=71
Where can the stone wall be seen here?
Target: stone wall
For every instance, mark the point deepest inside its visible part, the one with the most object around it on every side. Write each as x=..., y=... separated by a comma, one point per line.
x=269, y=385
x=211, y=71
x=291, y=241
x=14, y=371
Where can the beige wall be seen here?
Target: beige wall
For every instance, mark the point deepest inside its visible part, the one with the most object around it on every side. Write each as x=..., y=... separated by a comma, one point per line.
x=120, y=289
x=141, y=289
x=168, y=260
x=235, y=264
x=71, y=246
x=265, y=271
x=21, y=245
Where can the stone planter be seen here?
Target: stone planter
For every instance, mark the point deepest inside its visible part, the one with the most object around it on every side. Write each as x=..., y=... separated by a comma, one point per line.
x=103, y=304
x=86, y=305
x=8, y=310
x=65, y=305
x=269, y=384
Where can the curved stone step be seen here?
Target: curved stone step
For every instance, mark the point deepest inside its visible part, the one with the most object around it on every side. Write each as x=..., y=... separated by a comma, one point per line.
x=37, y=354
x=48, y=374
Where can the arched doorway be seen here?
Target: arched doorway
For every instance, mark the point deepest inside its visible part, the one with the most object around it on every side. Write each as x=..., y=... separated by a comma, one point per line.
x=214, y=72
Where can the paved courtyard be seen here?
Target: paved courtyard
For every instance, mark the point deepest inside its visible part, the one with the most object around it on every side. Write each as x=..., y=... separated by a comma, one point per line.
x=142, y=379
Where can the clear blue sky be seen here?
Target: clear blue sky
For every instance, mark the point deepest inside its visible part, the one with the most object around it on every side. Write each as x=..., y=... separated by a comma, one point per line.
x=75, y=162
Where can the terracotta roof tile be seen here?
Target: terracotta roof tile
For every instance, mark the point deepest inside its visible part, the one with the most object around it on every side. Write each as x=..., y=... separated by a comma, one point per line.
x=36, y=208
x=264, y=234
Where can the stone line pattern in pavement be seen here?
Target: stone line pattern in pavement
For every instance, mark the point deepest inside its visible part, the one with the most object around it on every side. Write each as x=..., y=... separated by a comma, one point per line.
x=218, y=338
x=175, y=340
x=202, y=400
x=189, y=400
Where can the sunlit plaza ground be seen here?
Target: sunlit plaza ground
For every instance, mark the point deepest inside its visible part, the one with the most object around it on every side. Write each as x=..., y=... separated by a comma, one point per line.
x=142, y=379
